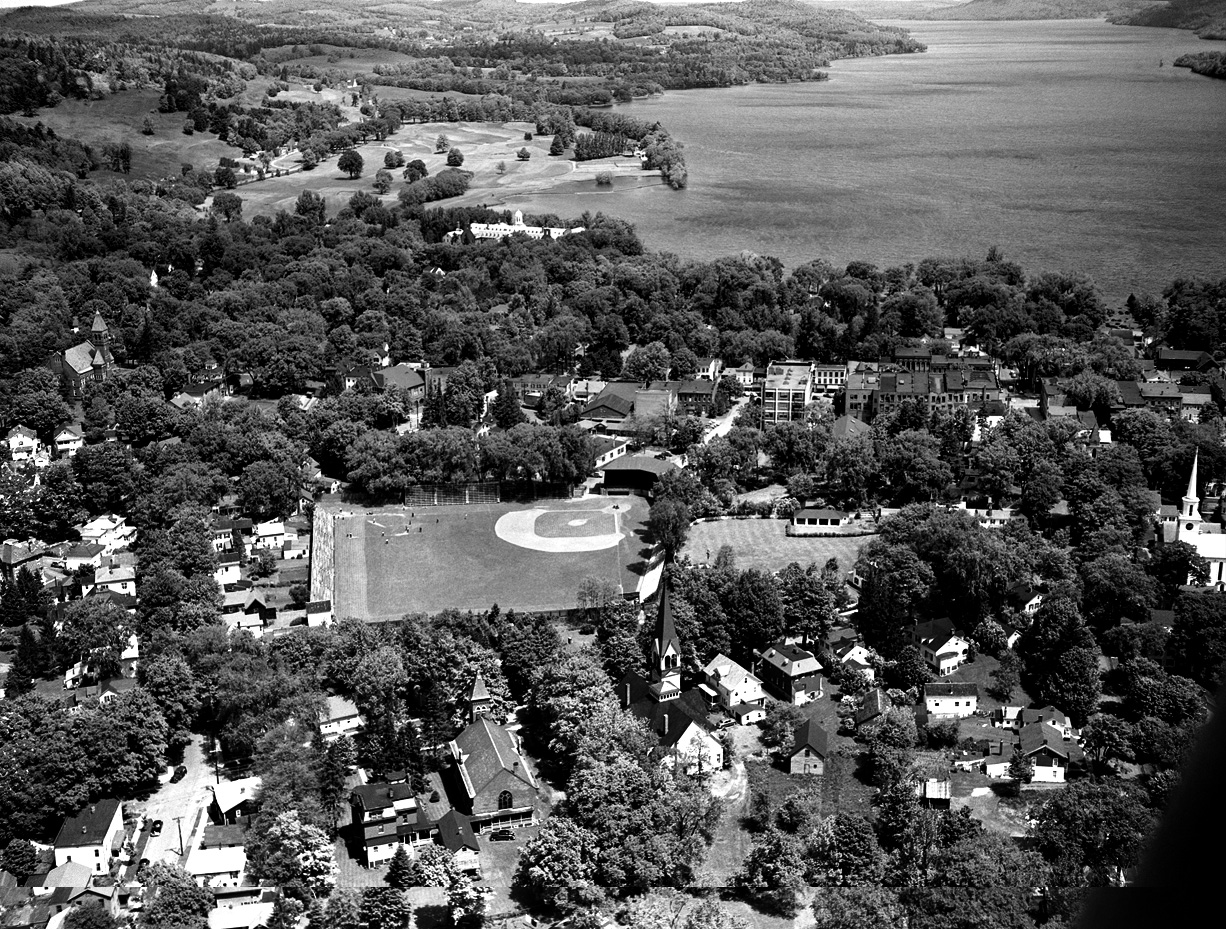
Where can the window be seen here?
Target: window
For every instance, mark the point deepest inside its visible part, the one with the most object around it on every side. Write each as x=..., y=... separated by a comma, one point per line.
x=505, y=800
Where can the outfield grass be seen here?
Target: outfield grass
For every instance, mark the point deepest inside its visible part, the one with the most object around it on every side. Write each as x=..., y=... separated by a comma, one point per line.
x=764, y=544
x=428, y=559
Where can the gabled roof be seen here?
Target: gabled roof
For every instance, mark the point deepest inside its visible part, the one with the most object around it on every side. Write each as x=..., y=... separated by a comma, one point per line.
x=875, y=703
x=1047, y=714
x=69, y=874
x=374, y=797
x=89, y=826
x=1037, y=736
x=666, y=632
x=487, y=749
x=479, y=690
x=951, y=689
x=792, y=660
x=22, y=431
x=229, y=794
x=728, y=673
x=849, y=426
x=812, y=736
x=455, y=831
x=668, y=719
x=934, y=633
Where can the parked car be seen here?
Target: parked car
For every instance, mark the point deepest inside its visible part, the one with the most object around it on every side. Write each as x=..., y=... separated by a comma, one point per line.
x=180, y=771
x=157, y=827
x=502, y=835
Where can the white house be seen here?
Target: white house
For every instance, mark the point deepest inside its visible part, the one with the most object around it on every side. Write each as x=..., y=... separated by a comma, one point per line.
x=83, y=555
x=941, y=648
x=738, y=691
x=608, y=448
x=858, y=658
x=92, y=837
x=340, y=717
x=68, y=441
x=270, y=535
x=111, y=532
x=218, y=867
x=951, y=699
x=1049, y=751
x=229, y=569
x=23, y=443
x=120, y=579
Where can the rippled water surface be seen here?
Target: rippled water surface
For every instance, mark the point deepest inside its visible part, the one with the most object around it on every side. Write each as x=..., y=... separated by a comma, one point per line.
x=1063, y=142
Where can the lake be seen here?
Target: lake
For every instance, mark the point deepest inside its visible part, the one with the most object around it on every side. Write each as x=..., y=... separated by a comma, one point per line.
x=1062, y=142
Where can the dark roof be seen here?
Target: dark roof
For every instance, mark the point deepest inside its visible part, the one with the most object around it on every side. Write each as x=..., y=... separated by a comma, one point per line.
x=666, y=630
x=222, y=836
x=1130, y=393
x=933, y=630
x=455, y=831
x=1037, y=736
x=668, y=719
x=641, y=463
x=89, y=826
x=1047, y=714
x=487, y=748
x=875, y=703
x=479, y=690
x=812, y=736
x=372, y=797
x=821, y=513
x=951, y=689
x=849, y=426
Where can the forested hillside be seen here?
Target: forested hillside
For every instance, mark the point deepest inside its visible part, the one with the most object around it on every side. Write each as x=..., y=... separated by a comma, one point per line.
x=1206, y=17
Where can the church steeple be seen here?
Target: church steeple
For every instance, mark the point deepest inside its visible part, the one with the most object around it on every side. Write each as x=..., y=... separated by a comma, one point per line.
x=665, y=652
x=478, y=699
x=1189, y=511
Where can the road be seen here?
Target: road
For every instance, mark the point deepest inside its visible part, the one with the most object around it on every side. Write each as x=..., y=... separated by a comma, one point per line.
x=723, y=425
x=184, y=800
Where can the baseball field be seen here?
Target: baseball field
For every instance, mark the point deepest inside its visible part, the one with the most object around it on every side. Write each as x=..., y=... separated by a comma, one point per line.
x=523, y=556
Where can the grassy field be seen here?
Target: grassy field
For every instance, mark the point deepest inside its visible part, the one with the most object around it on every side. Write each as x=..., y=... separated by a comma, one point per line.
x=386, y=567
x=119, y=118
x=485, y=146
x=764, y=544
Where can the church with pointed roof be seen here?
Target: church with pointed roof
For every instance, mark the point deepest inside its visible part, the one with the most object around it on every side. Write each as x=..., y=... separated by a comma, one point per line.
x=90, y=361
x=681, y=718
x=1206, y=538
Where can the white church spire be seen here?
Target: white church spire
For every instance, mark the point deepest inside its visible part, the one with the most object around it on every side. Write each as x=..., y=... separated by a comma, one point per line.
x=1189, y=516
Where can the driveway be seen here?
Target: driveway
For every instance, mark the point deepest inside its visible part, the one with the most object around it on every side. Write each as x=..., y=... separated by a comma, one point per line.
x=723, y=425
x=184, y=801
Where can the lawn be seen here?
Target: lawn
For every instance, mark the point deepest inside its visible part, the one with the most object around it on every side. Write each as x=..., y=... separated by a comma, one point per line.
x=119, y=118
x=485, y=147
x=764, y=544
x=395, y=560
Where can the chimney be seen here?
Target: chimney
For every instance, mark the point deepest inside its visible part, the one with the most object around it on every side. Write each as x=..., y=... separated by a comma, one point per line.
x=627, y=700
x=665, y=732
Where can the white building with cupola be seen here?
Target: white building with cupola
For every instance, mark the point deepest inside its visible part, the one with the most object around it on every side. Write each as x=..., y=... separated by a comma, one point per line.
x=1206, y=538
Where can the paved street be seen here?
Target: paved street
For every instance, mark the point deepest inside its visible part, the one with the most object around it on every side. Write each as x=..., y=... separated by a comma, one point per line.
x=723, y=425
x=186, y=800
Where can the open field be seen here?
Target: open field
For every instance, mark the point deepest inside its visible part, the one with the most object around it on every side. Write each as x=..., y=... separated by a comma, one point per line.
x=396, y=560
x=484, y=145
x=764, y=544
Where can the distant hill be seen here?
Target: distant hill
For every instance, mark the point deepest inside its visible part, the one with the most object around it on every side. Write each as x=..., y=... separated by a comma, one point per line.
x=987, y=10
x=1206, y=17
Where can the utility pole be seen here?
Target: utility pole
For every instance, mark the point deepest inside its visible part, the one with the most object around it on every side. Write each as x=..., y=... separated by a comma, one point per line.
x=216, y=753
x=179, y=823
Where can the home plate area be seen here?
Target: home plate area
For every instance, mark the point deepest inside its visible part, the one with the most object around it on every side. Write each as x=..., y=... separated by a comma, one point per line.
x=562, y=529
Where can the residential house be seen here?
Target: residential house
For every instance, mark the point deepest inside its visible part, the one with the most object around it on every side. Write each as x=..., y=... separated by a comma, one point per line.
x=709, y=369
x=849, y=426
x=787, y=391
x=1023, y=598
x=217, y=867
x=340, y=717
x=1179, y=360
x=811, y=749
x=744, y=374
x=1193, y=401
x=392, y=815
x=1163, y=398
x=319, y=613
x=88, y=361
x=68, y=441
x=93, y=837
x=84, y=555
x=817, y=520
x=951, y=699
x=111, y=532
x=941, y=648
x=1048, y=715
x=23, y=444
x=791, y=673
x=455, y=833
x=1049, y=751
x=737, y=690
x=855, y=657
x=232, y=534
x=117, y=578
x=233, y=800
x=195, y=396
x=679, y=717
x=270, y=535
x=16, y=555
x=229, y=569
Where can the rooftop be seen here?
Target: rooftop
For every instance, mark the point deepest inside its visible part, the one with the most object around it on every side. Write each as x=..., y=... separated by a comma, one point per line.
x=89, y=826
